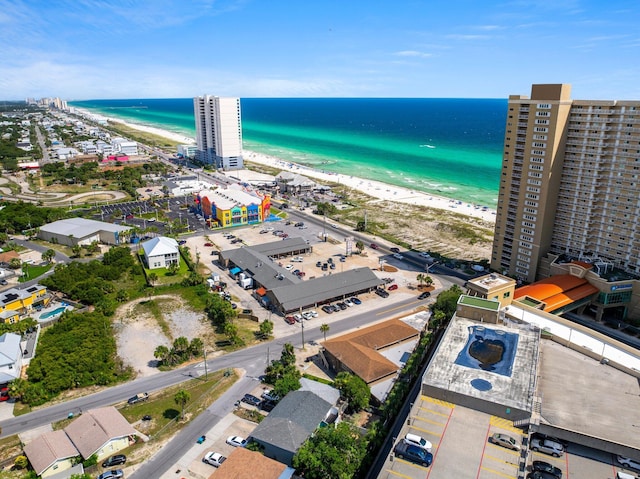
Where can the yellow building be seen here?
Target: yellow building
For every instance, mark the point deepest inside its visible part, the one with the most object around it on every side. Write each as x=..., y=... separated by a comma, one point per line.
x=16, y=304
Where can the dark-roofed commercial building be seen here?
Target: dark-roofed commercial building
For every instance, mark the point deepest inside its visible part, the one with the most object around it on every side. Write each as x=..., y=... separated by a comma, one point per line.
x=74, y=231
x=291, y=423
x=285, y=292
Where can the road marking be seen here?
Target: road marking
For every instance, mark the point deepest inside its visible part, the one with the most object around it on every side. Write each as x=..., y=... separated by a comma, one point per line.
x=498, y=459
x=504, y=424
x=437, y=401
x=499, y=473
x=510, y=451
x=433, y=411
x=425, y=430
x=547, y=457
x=422, y=419
x=409, y=463
x=398, y=474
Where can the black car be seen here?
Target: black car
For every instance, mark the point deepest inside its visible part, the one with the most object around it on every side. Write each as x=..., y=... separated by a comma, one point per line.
x=395, y=250
x=424, y=295
x=542, y=466
x=342, y=306
x=540, y=475
x=251, y=399
x=115, y=460
x=413, y=453
x=267, y=405
x=327, y=309
x=382, y=293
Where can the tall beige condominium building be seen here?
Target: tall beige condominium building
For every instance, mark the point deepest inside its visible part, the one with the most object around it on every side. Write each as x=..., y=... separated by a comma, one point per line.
x=218, y=131
x=570, y=183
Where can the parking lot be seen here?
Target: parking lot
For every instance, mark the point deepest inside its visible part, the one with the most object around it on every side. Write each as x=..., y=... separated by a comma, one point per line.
x=462, y=448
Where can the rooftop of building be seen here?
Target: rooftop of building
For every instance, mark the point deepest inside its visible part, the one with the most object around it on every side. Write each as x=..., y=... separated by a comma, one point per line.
x=557, y=291
x=479, y=302
x=491, y=281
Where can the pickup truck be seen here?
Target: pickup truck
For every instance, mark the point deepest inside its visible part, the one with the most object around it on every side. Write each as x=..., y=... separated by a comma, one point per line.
x=138, y=398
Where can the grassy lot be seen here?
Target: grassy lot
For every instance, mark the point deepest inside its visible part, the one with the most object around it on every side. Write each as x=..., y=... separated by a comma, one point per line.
x=10, y=447
x=30, y=272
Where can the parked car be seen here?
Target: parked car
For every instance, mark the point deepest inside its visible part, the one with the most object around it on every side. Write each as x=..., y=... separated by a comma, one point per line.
x=208, y=244
x=547, y=446
x=355, y=300
x=541, y=475
x=267, y=406
x=307, y=315
x=251, y=400
x=341, y=305
x=319, y=264
x=116, y=460
x=290, y=320
x=548, y=468
x=298, y=317
x=413, y=453
x=214, y=459
x=419, y=441
x=393, y=287
x=505, y=441
x=327, y=309
x=3, y=282
x=4, y=394
x=129, y=217
x=395, y=250
x=313, y=313
x=270, y=396
x=297, y=259
x=138, y=398
x=382, y=293
x=348, y=303
x=424, y=295
x=112, y=474
x=236, y=441
x=289, y=267
x=628, y=462
x=373, y=246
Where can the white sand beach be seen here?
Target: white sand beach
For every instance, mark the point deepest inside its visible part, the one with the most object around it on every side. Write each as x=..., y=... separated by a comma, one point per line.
x=377, y=189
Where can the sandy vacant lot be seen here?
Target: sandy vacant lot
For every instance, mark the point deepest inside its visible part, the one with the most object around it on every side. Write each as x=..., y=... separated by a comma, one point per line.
x=139, y=333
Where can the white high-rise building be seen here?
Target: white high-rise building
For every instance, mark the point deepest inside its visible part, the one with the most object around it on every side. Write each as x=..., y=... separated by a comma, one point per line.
x=218, y=131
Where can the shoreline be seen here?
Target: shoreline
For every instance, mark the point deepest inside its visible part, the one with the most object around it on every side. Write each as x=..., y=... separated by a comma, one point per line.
x=379, y=190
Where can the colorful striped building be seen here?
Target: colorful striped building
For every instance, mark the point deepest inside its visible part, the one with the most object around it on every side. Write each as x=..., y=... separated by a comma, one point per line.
x=232, y=206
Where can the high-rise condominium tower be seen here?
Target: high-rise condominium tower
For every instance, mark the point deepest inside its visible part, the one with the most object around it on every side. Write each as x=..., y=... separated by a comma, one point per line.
x=569, y=184
x=218, y=131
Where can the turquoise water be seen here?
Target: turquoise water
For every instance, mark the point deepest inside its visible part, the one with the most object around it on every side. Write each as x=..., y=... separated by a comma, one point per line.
x=55, y=312
x=448, y=147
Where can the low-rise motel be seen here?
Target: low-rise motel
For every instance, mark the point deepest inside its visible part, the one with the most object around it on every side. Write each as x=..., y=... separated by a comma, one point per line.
x=233, y=206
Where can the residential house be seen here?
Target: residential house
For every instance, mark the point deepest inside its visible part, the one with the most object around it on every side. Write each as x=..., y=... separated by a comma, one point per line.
x=292, y=422
x=10, y=357
x=103, y=431
x=243, y=463
x=21, y=302
x=51, y=453
x=160, y=252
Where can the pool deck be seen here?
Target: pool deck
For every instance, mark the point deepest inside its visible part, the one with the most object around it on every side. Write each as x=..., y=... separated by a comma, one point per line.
x=52, y=307
x=447, y=379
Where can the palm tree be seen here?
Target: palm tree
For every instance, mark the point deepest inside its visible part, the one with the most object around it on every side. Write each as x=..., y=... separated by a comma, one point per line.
x=161, y=353
x=324, y=329
x=152, y=278
x=181, y=398
x=420, y=278
x=359, y=246
x=48, y=255
x=428, y=280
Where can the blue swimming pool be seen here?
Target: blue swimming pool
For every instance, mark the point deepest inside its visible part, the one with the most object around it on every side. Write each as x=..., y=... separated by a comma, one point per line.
x=55, y=312
x=490, y=350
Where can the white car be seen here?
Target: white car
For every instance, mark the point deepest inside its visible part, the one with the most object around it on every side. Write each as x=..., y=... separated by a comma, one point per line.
x=398, y=256
x=348, y=303
x=297, y=259
x=424, y=254
x=298, y=317
x=628, y=462
x=307, y=315
x=416, y=440
x=289, y=267
x=214, y=459
x=313, y=313
x=236, y=441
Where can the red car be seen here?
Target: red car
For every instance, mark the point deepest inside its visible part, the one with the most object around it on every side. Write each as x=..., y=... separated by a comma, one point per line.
x=290, y=320
x=392, y=287
x=208, y=244
x=4, y=394
x=374, y=246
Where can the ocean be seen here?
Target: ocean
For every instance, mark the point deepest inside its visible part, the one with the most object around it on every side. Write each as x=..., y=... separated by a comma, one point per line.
x=446, y=147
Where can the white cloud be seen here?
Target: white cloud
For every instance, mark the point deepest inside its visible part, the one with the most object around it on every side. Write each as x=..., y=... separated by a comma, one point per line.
x=413, y=53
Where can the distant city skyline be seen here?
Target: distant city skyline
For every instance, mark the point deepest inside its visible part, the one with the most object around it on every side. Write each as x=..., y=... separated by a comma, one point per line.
x=111, y=49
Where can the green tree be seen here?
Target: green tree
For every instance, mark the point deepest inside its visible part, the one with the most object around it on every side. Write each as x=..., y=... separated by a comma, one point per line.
x=288, y=355
x=48, y=255
x=354, y=389
x=181, y=398
x=266, y=328
x=15, y=263
x=161, y=353
x=76, y=250
x=428, y=280
x=173, y=269
x=231, y=331
x=153, y=278
x=218, y=310
x=122, y=296
x=324, y=329
x=17, y=388
x=21, y=462
x=331, y=453
x=290, y=381
x=420, y=278
x=196, y=347
x=359, y=246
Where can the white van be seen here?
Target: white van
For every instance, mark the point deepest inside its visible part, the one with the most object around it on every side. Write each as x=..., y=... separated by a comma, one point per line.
x=416, y=440
x=624, y=475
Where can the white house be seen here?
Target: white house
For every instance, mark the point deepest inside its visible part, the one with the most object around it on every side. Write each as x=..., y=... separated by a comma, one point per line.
x=160, y=252
x=126, y=147
x=10, y=357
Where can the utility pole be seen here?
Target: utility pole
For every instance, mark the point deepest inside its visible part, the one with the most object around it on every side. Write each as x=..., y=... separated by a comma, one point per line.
x=206, y=375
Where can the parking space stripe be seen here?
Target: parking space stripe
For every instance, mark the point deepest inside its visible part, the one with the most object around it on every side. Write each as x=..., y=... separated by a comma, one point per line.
x=433, y=411
x=500, y=448
x=424, y=419
x=397, y=474
x=504, y=424
x=484, y=448
x=437, y=401
x=499, y=473
x=435, y=454
x=497, y=459
x=409, y=463
x=421, y=429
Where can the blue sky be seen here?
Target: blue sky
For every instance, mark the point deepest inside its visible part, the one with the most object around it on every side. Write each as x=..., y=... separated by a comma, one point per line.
x=90, y=49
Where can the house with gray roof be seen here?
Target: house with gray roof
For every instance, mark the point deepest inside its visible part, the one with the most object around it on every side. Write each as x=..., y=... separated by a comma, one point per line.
x=10, y=357
x=291, y=423
x=82, y=231
x=160, y=252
